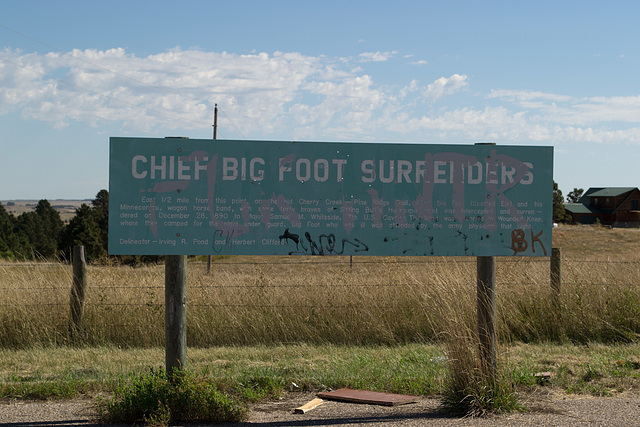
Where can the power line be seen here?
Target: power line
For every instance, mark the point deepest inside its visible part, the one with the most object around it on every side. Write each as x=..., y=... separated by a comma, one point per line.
x=232, y=123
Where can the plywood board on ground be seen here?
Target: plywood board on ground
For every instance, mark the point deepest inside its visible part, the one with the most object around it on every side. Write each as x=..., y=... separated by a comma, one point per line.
x=365, y=396
x=309, y=406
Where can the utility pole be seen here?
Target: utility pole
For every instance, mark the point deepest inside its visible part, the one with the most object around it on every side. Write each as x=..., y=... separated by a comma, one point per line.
x=215, y=136
x=215, y=122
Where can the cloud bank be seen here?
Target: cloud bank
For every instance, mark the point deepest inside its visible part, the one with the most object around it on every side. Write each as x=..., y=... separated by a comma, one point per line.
x=287, y=95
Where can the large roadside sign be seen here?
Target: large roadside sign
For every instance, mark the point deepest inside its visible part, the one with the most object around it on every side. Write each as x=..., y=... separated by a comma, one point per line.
x=209, y=197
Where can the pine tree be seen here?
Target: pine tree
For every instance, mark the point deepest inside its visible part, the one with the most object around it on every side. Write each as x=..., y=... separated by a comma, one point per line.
x=6, y=234
x=559, y=212
x=37, y=233
x=575, y=195
x=100, y=209
x=27, y=231
x=84, y=230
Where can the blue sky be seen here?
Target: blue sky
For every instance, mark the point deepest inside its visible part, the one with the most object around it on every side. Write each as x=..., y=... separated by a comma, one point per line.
x=74, y=73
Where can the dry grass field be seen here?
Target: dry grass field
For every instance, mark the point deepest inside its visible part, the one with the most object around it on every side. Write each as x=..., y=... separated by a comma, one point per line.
x=258, y=326
x=586, y=243
x=328, y=300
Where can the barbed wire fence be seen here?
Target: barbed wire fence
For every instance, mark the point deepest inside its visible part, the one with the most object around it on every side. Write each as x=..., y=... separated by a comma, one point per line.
x=264, y=289
x=569, y=265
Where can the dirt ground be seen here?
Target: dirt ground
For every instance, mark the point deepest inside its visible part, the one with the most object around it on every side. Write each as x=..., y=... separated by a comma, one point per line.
x=545, y=409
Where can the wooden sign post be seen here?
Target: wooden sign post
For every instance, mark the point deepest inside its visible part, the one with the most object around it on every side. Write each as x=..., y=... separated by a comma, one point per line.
x=175, y=297
x=486, y=290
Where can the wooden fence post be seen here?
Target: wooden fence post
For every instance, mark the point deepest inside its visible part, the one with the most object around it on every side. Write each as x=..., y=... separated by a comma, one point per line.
x=175, y=300
x=556, y=271
x=77, y=291
x=486, y=290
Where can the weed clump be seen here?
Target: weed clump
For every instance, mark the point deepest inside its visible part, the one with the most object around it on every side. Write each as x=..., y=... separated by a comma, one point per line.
x=478, y=396
x=474, y=388
x=158, y=399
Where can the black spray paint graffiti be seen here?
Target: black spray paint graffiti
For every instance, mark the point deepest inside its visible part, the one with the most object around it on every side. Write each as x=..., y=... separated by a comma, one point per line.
x=325, y=244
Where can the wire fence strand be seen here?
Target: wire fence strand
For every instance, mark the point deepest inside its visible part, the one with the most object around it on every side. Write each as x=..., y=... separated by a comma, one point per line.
x=108, y=290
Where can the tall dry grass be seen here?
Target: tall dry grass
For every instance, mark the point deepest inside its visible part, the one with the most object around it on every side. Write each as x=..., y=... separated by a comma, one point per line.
x=34, y=304
x=317, y=300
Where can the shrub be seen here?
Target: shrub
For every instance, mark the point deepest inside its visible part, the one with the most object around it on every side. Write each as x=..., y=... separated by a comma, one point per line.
x=156, y=399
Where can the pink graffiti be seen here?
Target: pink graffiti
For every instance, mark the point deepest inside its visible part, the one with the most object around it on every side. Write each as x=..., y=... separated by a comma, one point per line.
x=285, y=208
x=424, y=202
x=287, y=160
x=245, y=209
x=376, y=205
x=153, y=222
x=265, y=211
x=170, y=186
x=495, y=193
x=228, y=229
x=401, y=215
x=348, y=217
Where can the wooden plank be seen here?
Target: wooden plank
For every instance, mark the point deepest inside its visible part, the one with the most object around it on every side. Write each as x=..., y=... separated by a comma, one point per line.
x=308, y=406
x=371, y=397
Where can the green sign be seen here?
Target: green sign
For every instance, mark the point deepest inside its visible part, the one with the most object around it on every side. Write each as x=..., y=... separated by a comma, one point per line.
x=206, y=197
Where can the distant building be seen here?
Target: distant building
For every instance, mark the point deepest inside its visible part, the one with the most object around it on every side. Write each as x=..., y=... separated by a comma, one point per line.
x=614, y=206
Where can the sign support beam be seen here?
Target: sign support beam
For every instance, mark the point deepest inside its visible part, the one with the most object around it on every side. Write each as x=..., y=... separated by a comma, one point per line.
x=175, y=296
x=486, y=289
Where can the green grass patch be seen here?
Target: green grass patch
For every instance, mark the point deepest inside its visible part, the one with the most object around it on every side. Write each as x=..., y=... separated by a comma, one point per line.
x=421, y=369
x=258, y=373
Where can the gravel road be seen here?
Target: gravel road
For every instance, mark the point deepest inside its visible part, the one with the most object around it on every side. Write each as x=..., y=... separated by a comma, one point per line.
x=545, y=410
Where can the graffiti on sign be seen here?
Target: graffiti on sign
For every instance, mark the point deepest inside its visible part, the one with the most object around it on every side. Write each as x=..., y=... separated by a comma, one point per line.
x=259, y=197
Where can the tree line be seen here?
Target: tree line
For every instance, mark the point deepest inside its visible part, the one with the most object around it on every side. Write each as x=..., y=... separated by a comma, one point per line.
x=42, y=234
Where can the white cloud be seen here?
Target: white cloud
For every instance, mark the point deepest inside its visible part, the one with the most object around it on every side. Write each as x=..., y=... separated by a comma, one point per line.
x=574, y=111
x=413, y=87
x=524, y=96
x=377, y=56
x=293, y=96
x=445, y=86
x=170, y=89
